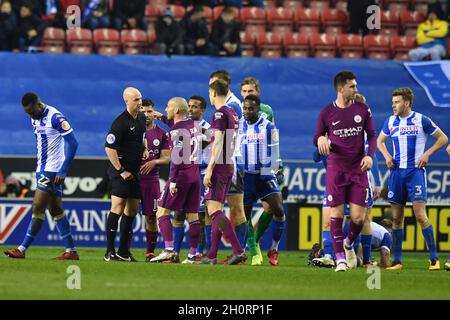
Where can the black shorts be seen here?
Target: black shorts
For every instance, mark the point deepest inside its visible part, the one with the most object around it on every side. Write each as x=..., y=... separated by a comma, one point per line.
x=124, y=189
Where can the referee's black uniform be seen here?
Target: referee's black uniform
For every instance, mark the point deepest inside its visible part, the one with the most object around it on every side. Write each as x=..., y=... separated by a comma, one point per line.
x=126, y=136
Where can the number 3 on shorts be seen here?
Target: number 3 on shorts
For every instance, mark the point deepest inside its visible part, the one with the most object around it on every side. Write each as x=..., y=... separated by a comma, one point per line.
x=418, y=190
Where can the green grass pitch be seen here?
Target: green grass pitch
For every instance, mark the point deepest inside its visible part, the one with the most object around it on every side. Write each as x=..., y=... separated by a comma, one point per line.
x=38, y=277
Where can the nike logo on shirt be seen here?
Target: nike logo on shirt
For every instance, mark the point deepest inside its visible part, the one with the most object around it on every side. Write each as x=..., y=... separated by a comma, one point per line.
x=335, y=123
x=132, y=128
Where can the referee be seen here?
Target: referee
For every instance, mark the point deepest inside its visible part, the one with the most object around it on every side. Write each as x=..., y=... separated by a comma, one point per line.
x=125, y=150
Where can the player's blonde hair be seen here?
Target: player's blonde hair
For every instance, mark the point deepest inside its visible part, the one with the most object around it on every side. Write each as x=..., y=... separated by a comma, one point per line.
x=405, y=92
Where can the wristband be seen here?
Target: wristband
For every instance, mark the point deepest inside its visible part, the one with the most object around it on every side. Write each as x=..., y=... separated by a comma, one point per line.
x=121, y=170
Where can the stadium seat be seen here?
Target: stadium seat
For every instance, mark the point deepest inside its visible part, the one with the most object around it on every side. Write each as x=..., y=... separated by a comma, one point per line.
x=421, y=6
x=253, y=20
x=341, y=5
x=218, y=10
x=323, y=45
x=292, y=4
x=158, y=3
x=397, y=6
x=134, y=41
x=281, y=20
x=389, y=23
x=400, y=46
x=307, y=20
x=350, y=46
x=151, y=14
x=377, y=46
x=296, y=45
x=319, y=4
x=107, y=41
x=79, y=40
x=53, y=40
x=270, y=45
x=248, y=42
x=410, y=21
x=334, y=21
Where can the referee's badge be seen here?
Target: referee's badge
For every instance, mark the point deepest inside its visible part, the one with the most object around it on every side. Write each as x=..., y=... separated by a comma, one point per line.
x=110, y=138
x=156, y=142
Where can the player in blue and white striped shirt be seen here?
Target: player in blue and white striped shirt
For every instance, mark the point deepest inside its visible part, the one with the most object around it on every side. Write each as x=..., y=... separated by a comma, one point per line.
x=409, y=131
x=258, y=144
x=56, y=147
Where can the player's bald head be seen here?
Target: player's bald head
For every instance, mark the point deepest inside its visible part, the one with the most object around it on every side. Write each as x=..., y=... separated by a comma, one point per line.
x=180, y=104
x=131, y=93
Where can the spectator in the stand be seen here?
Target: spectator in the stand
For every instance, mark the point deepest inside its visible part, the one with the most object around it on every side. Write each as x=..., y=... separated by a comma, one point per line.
x=225, y=34
x=51, y=13
x=238, y=3
x=431, y=36
x=96, y=14
x=358, y=15
x=208, y=3
x=129, y=14
x=8, y=25
x=30, y=28
x=168, y=34
x=196, y=35
x=14, y=189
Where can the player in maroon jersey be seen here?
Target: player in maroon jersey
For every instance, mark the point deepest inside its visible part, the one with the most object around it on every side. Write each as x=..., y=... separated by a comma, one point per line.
x=182, y=190
x=340, y=136
x=219, y=173
x=157, y=144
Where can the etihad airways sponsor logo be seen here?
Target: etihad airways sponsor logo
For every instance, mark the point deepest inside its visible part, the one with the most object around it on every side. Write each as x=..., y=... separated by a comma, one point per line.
x=348, y=132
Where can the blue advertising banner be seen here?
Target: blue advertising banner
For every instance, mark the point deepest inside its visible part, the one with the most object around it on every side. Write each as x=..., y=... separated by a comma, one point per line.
x=88, y=219
x=434, y=77
x=306, y=181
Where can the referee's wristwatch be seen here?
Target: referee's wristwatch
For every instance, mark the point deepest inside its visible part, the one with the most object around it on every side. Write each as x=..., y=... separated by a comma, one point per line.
x=121, y=170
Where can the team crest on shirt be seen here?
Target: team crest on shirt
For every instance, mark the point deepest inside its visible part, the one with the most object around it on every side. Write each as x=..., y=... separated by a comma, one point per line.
x=218, y=115
x=65, y=125
x=156, y=142
x=357, y=118
x=110, y=138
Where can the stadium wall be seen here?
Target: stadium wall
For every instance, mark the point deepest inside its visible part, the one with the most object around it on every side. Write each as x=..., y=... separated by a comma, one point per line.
x=88, y=90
